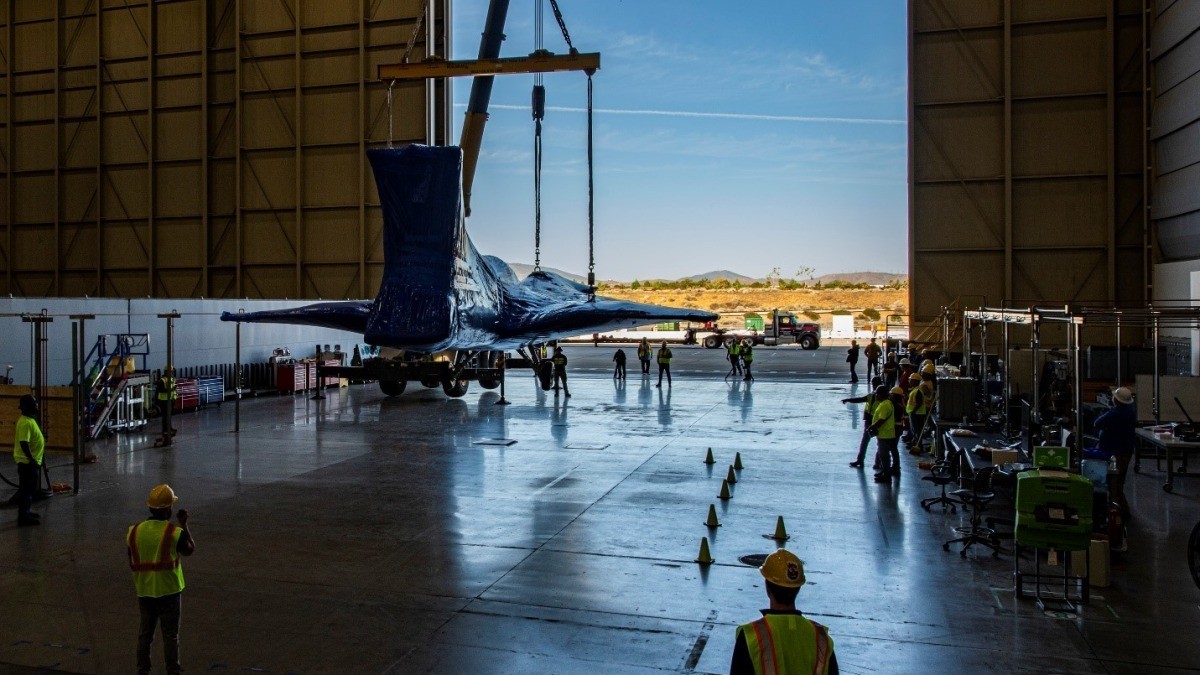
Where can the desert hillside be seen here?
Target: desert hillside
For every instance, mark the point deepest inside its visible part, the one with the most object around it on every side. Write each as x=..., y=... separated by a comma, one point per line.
x=820, y=301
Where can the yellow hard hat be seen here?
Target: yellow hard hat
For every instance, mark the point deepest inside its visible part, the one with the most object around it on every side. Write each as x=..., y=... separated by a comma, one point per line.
x=929, y=368
x=161, y=497
x=783, y=568
x=914, y=378
x=897, y=391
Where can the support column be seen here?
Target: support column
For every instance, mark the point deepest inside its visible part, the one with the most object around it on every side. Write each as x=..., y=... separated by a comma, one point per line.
x=168, y=435
x=237, y=378
x=1077, y=385
x=79, y=378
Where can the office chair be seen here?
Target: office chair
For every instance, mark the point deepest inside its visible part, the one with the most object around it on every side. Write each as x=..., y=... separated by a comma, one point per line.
x=976, y=498
x=942, y=474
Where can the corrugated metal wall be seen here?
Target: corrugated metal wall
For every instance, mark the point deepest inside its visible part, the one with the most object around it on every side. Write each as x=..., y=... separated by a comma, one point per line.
x=1026, y=150
x=189, y=148
x=1175, y=51
x=201, y=338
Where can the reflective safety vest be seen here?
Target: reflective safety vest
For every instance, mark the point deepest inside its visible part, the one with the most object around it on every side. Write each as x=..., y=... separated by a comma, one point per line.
x=918, y=400
x=747, y=353
x=787, y=644
x=166, y=389
x=930, y=395
x=870, y=407
x=884, y=410
x=664, y=356
x=644, y=351
x=27, y=430
x=733, y=348
x=559, y=361
x=154, y=558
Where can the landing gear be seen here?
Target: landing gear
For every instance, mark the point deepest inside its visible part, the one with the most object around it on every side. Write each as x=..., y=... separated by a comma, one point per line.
x=455, y=387
x=545, y=375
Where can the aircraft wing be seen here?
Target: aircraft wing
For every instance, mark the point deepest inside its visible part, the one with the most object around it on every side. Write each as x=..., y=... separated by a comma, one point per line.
x=349, y=315
x=546, y=307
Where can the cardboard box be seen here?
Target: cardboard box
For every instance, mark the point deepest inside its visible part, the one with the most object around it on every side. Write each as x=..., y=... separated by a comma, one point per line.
x=1005, y=456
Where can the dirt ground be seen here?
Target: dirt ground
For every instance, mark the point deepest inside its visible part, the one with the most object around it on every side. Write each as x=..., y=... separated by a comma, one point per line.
x=823, y=302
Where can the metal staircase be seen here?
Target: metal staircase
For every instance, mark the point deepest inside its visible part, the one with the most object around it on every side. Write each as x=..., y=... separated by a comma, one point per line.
x=116, y=389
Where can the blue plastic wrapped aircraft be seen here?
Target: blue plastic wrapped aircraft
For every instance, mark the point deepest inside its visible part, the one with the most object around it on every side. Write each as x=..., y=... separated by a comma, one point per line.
x=443, y=303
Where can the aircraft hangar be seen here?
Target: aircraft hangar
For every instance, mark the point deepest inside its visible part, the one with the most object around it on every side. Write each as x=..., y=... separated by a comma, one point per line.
x=379, y=470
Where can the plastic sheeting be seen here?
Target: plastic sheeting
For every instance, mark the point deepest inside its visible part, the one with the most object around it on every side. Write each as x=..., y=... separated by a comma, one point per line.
x=438, y=293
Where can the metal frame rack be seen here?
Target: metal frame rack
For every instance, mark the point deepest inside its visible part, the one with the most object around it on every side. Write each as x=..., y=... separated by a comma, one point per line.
x=1152, y=318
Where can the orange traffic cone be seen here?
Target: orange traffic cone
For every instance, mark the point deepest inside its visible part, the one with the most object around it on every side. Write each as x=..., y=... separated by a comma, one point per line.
x=705, y=558
x=731, y=477
x=724, y=496
x=709, y=459
x=737, y=462
x=712, y=517
x=780, y=531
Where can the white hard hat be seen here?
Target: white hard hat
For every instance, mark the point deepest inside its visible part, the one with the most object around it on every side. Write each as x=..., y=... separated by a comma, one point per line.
x=1123, y=395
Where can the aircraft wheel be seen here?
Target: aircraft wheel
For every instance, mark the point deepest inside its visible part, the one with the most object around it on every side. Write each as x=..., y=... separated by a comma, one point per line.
x=456, y=388
x=808, y=342
x=392, y=387
x=489, y=382
x=545, y=375
x=712, y=342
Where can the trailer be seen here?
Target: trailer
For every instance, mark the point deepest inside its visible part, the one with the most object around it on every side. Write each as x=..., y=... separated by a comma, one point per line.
x=452, y=371
x=783, y=325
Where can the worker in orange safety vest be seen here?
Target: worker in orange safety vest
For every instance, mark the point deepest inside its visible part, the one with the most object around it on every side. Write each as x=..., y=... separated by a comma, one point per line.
x=783, y=641
x=154, y=547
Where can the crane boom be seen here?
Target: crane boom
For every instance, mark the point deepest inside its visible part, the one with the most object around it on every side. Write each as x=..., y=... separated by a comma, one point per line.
x=484, y=69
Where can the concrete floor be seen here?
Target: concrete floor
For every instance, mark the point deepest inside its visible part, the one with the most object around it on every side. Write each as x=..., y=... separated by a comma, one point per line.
x=369, y=535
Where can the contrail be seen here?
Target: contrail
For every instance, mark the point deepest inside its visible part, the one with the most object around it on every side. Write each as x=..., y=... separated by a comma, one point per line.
x=715, y=115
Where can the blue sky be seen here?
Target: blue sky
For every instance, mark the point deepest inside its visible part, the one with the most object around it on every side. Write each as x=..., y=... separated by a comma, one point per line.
x=767, y=135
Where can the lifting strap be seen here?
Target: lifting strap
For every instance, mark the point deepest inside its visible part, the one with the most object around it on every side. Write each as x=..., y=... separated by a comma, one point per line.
x=591, y=196
x=562, y=25
x=412, y=43
x=539, y=113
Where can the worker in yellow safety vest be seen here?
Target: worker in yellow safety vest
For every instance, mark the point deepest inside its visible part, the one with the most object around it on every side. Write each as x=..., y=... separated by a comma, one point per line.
x=29, y=447
x=870, y=400
x=644, y=352
x=155, y=546
x=165, y=396
x=664, y=363
x=920, y=402
x=560, y=370
x=883, y=426
x=733, y=348
x=783, y=641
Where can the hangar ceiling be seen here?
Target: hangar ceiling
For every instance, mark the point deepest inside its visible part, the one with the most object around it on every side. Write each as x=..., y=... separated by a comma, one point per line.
x=215, y=148
x=1027, y=152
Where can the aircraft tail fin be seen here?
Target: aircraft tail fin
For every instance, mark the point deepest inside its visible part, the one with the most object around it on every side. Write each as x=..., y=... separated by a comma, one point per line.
x=423, y=238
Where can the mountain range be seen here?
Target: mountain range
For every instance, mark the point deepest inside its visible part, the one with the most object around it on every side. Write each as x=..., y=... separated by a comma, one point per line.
x=870, y=278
